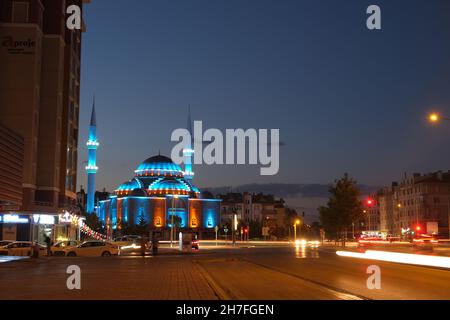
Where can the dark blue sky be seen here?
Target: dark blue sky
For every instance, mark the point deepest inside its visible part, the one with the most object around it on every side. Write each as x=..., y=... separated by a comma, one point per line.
x=345, y=99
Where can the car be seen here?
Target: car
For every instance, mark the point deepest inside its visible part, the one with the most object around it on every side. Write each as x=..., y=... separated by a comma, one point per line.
x=4, y=243
x=58, y=248
x=21, y=248
x=93, y=248
x=195, y=244
x=126, y=240
x=425, y=239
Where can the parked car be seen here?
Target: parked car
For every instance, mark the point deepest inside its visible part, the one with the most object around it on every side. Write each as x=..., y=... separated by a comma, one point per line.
x=126, y=241
x=4, y=243
x=21, y=248
x=58, y=249
x=94, y=248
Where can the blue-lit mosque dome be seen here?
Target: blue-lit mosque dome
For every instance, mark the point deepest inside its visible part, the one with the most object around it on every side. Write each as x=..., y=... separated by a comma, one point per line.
x=158, y=176
x=169, y=186
x=159, y=166
x=127, y=187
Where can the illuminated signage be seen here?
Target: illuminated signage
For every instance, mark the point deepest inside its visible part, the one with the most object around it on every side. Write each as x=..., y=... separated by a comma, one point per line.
x=43, y=219
x=66, y=218
x=13, y=218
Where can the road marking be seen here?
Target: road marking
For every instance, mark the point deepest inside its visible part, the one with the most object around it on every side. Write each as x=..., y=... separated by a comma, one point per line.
x=220, y=293
x=225, y=294
x=343, y=294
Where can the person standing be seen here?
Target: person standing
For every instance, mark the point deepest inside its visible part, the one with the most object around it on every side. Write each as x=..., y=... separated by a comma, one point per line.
x=48, y=242
x=154, y=245
x=143, y=246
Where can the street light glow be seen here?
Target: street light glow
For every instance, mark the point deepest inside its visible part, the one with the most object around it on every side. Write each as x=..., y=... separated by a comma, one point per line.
x=434, y=117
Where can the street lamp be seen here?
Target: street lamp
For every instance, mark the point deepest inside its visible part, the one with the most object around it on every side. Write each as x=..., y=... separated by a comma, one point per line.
x=297, y=222
x=436, y=117
x=175, y=196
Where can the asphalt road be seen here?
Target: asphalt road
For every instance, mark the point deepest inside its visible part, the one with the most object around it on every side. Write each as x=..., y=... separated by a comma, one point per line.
x=221, y=273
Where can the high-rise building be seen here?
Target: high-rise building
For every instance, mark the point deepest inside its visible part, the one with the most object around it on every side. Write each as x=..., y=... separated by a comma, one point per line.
x=39, y=96
x=11, y=168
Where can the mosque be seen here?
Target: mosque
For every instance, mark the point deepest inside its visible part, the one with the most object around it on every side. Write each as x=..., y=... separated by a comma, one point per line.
x=159, y=189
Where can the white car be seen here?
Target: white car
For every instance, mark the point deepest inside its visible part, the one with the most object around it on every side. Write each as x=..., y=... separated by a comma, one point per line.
x=93, y=248
x=21, y=248
x=58, y=249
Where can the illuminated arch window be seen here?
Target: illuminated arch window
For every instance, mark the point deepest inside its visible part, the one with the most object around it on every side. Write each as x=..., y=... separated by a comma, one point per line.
x=158, y=222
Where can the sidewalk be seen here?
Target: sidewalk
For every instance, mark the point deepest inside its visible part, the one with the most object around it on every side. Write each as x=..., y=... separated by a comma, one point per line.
x=135, y=278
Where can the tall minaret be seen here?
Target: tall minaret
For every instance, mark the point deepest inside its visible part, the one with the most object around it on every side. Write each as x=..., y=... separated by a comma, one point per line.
x=188, y=152
x=91, y=167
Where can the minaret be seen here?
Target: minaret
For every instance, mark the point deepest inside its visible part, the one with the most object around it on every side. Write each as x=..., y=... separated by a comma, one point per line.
x=91, y=168
x=188, y=152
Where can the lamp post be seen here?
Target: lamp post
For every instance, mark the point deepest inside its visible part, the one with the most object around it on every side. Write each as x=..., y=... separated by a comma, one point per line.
x=235, y=226
x=175, y=196
x=436, y=118
x=297, y=222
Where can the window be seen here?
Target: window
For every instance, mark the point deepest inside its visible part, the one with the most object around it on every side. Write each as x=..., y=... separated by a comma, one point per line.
x=20, y=12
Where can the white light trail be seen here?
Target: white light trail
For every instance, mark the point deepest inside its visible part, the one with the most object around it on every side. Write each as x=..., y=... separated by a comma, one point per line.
x=405, y=258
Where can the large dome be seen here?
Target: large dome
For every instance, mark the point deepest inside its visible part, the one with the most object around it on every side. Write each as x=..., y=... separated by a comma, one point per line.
x=159, y=166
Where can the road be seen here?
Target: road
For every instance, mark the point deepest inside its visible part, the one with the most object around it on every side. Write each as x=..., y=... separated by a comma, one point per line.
x=253, y=272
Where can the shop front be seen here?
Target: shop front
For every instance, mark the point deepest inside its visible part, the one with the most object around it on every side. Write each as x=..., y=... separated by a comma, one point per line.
x=37, y=227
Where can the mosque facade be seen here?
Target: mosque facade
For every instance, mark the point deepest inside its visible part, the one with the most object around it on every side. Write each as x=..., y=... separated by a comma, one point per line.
x=160, y=193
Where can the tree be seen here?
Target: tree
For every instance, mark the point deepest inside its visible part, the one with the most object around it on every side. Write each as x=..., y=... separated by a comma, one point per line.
x=255, y=229
x=142, y=226
x=290, y=216
x=343, y=208
x=94, y=222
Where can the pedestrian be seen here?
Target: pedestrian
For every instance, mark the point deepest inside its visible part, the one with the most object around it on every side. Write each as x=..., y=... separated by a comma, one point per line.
x=48, y=242
x=143, y=246
x=35, y=251
x=154, y=245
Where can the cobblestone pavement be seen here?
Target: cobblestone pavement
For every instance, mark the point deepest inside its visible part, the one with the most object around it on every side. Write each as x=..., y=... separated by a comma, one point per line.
x=159, y=278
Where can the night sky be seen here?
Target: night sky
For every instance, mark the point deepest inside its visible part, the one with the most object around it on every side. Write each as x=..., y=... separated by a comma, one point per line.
x=345, y=99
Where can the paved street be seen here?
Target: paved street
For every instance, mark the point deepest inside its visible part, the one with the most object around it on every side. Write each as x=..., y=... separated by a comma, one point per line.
x=252, y=272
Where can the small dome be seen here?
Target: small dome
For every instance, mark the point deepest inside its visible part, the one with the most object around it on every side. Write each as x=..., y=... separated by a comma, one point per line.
x=159, y=166
x=126, y=187
x=169, y=186
x=193, y=188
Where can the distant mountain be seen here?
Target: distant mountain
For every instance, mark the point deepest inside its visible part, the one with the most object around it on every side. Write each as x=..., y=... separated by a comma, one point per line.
x=286, y=190
x=301, y=197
